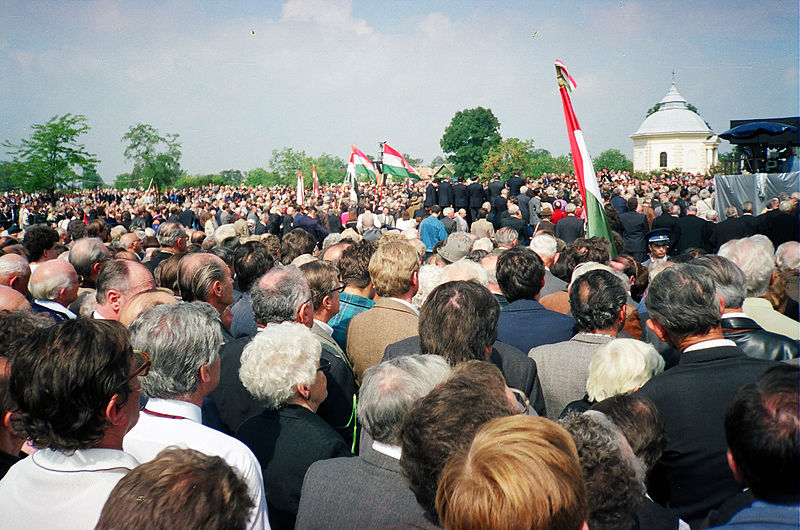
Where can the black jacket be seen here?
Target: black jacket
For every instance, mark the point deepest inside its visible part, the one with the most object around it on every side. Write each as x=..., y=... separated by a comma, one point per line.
x=758, y=342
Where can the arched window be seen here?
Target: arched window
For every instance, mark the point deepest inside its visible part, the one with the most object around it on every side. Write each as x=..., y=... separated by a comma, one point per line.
x=662, y=159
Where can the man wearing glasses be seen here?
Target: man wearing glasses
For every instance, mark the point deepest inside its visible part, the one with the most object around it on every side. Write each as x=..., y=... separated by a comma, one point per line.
x=75, y=389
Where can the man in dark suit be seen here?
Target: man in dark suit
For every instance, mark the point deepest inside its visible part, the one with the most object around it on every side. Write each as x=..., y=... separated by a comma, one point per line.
x=570, y=227
x=692, y=476
x=494, y=188
x=369, y=491
x=54, y=286
x=733, y=227
x=634, y=227
x=514, y=183
x=308, y=222
x=188, y=218
x=466, y=331
x=460, y=195
x=499, y=208
x=337, y=409
x=690, y=232
x=524, y=323
x=668, y=217
x=445, y=193
x=173, y=240
x=431, y=194
x=477, y=196
x=750, y=220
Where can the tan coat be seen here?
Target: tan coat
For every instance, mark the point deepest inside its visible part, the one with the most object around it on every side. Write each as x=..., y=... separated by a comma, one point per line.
x=369, y=333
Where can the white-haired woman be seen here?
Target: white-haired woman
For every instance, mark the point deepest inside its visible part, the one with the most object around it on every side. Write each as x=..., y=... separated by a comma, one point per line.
x=282, y=367
x=617, y=367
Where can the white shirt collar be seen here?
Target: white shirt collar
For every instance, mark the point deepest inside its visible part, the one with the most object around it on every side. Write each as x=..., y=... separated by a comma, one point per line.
x=410, y=306
x=55, y=306
x=94, y=459
x=324, y=326
x=713, y=343
x=392, y=451
x=735, y=314
x=173, y=407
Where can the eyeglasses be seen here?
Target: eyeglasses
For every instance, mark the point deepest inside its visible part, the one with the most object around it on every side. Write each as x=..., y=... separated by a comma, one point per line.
x=324, y=366
x=522, y=400
x=339, y=289
x=143, y=363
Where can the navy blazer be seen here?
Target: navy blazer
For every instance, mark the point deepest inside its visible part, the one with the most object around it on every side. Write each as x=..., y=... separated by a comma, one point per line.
x=526, y=324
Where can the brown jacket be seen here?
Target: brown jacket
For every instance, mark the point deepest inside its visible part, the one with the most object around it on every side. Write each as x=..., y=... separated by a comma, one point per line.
x=369, y=333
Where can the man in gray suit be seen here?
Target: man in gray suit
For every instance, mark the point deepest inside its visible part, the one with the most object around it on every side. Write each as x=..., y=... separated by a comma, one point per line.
x=597, y=300
x=546, y=247
x=369, y=491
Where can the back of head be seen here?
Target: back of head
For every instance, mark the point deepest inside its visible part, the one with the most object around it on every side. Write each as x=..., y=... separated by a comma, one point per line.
x=445, y=421
x=389, y=389
x=544, y=245
x=87, y=252
x=729, y=280
x=506, y=236
x=640, y=422
x=596, y=298
x=465, y=270
x=787, y=256
x=169, y=234
x=683, y=299
x=520, y=273
x=200, y=484
x=197, y=273
x=614, y=477
x=458, y=321
x=63, y=378
x=50, y=278
x=295, y=243
x=141, y=302
x=392, y=267
x=755, y=256
x=179, y=339
x=519, y=472
x=251, y=261
x=632, y=204
x=37, y=240
x=761, y=427
x=322, y=279
x=278, y=295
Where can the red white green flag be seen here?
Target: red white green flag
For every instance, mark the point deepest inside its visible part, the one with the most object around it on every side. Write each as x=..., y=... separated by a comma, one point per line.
x=316, y=180
x=300, y=195
x=395, y=164
x=596, y=220
x=360, y=164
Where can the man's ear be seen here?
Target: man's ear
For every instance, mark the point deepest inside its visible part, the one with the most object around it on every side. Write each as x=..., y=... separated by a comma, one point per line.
x=737, y=473
x=327, y=302
x=205, y=374
x=303, y=390
x=305, y=315
x=96, y=267
x=114, y=299
x=114, y=410
x=721, y=303
x=658, y=329
x=415, y=278
x=216, y=288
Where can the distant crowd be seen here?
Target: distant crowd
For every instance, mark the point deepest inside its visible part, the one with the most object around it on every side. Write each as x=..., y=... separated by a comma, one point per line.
x=426, y=354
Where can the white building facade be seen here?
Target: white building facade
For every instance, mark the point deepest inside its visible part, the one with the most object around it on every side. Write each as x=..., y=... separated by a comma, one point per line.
x=674, y=137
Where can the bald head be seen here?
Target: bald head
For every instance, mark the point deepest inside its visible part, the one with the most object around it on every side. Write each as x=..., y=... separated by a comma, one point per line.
x=141, y=302
x=119, y=281
x=11, y=299
x=15, y=272
x=131, y=242
x=54, y=280
x=204, y=277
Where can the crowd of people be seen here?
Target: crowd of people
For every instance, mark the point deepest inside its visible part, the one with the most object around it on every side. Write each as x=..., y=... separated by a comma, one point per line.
x=423, y=354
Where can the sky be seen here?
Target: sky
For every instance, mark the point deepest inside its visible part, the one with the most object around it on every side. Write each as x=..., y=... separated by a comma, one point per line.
x=237, y=79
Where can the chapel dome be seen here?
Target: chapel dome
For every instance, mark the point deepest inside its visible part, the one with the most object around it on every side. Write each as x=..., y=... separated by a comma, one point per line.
x=672, y=117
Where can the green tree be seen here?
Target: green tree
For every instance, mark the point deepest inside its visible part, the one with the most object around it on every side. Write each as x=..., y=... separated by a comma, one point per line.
x=330, y=168
x=155, y=158
x=505, y=157
x=468, y=138
x=413, y=162
x=261, y=177
x=286, y=162
x=51, y=156
x=7, y=182
x=544, y=162
x=437, y=161
x=91, y=179
x=612, y=159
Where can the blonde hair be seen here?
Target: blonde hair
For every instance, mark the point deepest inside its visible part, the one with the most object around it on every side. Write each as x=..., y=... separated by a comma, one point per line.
x=621, y=366
x=392, y=267
x=519, y=472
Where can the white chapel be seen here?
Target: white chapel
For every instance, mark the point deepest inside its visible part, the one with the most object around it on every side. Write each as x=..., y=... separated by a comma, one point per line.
x=674, y=137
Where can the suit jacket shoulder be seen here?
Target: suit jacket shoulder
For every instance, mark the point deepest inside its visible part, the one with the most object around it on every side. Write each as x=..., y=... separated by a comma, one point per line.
x=369, y=333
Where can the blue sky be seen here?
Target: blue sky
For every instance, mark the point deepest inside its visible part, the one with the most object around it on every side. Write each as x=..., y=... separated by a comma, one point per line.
x=238, y=79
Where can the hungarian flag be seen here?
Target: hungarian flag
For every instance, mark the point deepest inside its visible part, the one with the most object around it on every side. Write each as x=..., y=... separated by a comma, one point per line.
x=596, y=220
x=300, y=195
x=395, y=164
x=360, y=164
x=316, y=180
